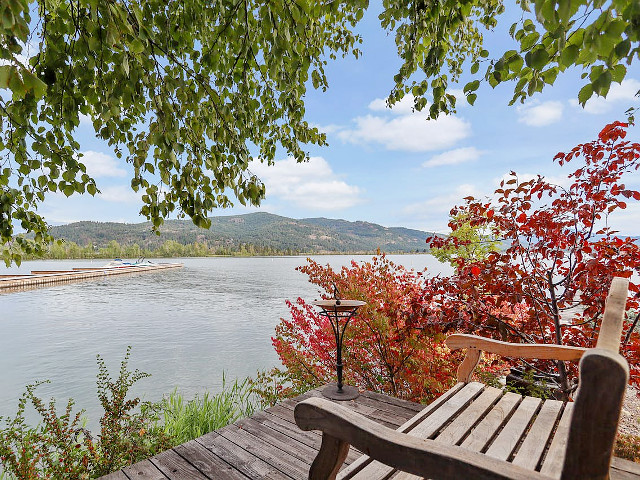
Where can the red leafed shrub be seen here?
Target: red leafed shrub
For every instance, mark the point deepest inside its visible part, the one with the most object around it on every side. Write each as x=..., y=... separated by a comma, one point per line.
x=559, y=254
x=391, y=346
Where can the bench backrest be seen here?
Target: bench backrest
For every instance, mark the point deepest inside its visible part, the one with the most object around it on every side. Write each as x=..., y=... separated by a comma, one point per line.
x=604, y=375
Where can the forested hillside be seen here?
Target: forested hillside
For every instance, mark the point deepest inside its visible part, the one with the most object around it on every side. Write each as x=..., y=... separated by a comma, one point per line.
x=263, y=233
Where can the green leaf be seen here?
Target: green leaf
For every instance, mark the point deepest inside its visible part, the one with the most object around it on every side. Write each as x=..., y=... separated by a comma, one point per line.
x=539, y=58
x=615, y=28
x=471, y=98
x=33, y=83
x=8, y=20
x=5, y=73
x=622, y=48
x=550, y=75
x=529, y=41
x=569, y=55
x=602, y=84
x=585, y=94
x=618, y=72
x=136, y=46
x=564, y=10
x=516, y=63
x=471, y=86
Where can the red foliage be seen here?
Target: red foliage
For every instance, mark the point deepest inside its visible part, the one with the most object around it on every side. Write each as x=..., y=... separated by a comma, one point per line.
x=560, y=254
x=389, y=347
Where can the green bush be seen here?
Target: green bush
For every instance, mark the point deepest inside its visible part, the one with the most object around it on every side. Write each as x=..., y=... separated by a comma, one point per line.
x=60, y=448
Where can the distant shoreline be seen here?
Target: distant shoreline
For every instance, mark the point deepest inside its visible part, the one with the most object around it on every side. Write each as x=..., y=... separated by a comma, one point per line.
x=231, y=255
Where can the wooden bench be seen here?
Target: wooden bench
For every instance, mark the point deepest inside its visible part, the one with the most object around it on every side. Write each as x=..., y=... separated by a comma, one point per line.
x=478, y=432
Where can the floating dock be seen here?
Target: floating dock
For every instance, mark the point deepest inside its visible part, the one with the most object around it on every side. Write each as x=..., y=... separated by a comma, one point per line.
x=44, y=278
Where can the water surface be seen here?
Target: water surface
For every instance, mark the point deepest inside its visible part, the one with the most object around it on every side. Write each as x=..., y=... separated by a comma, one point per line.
x=186, y=326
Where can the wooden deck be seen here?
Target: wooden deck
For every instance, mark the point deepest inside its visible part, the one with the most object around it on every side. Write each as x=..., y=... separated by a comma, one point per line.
x=269, y=445
x=45, y=278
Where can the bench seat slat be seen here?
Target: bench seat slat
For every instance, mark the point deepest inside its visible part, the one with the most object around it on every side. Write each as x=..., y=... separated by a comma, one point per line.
x=487, y=417
x=511, y=434
x=552, y=464
x=537, y=439
x=459, y=428
x=486, y=429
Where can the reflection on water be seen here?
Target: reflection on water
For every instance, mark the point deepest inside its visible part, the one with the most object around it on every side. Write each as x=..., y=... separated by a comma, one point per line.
x=186, y=326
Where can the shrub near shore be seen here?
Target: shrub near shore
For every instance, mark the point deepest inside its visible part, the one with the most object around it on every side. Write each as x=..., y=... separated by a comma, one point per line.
x=130, y=430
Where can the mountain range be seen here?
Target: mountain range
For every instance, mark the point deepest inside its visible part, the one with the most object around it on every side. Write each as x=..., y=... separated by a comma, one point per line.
x=307, y=235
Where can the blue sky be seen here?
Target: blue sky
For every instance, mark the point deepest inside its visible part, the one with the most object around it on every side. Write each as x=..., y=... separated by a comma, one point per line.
x=393, y=167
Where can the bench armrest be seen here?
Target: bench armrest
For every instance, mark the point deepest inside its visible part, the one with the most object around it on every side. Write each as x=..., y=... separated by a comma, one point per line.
x=475, y=345
x=521, y=350
x=342, y=427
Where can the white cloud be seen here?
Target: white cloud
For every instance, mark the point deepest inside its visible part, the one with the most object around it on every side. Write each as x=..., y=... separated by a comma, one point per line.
x=101, y=165
x=378, y=105
x=540, y=114
x=330, y=128
x=411, y=132
x=618, y=93
x=403, y=107
x=120, y=194
x=312, y=184
x=434, y=212
x=454, y=157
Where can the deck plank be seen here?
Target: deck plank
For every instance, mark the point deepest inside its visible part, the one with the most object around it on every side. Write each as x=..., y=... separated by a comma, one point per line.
x=311, y=439
x=240, y=459
x=380, y=397
x=119, y=475
x=207, y=462
x=174, y=467
x=269, y=445
x=624, y=469
x=143, y=470
x=261, y=448
x=280, y=441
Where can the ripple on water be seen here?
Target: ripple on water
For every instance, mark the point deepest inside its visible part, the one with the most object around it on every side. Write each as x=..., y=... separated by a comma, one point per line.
x=186, y=326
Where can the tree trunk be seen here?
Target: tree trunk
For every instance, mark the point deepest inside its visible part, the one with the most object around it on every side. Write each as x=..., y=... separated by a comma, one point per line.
x=564, y=382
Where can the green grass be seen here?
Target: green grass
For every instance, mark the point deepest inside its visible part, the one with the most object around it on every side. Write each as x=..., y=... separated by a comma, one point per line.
x=186, y=420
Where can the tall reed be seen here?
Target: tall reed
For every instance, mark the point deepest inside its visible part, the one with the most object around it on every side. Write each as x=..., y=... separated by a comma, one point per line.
x=186, y=420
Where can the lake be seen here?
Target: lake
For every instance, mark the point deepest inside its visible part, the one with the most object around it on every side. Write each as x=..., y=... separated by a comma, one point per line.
x=186, y=326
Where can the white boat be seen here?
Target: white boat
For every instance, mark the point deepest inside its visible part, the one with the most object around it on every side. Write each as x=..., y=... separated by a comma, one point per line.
x=119, y=263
